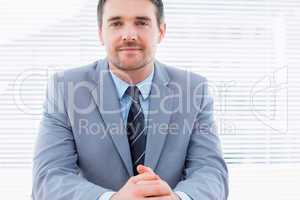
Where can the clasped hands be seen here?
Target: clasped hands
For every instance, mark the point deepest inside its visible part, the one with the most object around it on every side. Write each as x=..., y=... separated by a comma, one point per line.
x=145, y=186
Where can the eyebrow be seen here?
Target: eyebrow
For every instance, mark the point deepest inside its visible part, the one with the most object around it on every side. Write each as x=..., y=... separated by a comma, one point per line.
x=143, y=18
x=119, y=18
x=114, y=18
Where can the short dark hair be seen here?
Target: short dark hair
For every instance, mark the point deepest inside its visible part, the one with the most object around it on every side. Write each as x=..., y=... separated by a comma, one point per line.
x=158, y=4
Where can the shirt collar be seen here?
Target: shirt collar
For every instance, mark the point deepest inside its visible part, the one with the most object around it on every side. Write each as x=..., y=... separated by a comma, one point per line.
x=144, y=86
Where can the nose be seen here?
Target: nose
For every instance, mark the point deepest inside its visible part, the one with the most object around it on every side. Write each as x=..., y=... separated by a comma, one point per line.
x=129, y=34
x=128, y=38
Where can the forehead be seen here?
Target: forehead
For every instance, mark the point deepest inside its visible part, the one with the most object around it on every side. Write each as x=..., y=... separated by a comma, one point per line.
x=128, y=9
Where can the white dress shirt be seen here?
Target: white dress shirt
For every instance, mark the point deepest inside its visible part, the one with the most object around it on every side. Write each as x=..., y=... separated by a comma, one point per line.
x=125, y=102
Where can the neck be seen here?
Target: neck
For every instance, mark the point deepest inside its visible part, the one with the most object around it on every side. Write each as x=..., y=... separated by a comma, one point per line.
x=132, y=77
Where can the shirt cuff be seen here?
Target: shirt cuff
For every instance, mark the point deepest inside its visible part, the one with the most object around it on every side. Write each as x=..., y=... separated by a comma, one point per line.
x=106, y=196
x=182, y=195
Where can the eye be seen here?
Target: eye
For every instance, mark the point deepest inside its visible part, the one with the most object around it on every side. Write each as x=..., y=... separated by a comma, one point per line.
x=142, y=23
x=116, y=24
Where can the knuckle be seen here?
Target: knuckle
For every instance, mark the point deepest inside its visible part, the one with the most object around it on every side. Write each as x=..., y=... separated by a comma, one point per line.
x=136, y=192
x=147, y=173
x=131, y=179
x=158, y=189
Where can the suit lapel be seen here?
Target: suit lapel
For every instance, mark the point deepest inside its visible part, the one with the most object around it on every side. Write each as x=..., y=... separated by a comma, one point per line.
x=105, y=96
x=160, y=109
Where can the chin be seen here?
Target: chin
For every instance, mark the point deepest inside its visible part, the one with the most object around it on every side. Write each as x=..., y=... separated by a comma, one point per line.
x=131, y=65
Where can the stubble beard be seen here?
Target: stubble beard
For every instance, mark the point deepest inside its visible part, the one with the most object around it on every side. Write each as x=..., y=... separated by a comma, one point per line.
x=118, y=64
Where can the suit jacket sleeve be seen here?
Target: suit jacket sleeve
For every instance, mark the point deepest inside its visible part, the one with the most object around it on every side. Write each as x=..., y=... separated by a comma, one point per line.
x=205, y=175
x=55, y=170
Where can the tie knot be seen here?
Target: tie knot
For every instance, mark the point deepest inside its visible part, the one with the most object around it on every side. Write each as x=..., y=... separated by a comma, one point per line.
x=133, y=92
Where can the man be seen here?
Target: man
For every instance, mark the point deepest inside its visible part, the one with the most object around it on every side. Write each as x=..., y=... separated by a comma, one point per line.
x=128, y=127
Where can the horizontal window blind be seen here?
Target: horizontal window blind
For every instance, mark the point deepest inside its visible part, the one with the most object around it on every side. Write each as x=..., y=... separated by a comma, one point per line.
x=249, y=51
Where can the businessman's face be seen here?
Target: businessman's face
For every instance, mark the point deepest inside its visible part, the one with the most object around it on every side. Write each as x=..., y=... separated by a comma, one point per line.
x=130, y=33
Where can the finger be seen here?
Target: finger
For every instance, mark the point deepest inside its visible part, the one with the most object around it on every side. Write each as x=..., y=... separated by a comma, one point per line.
x=144, y=176
x=165, y=197
x=154, y=190
x=142, y=169
x=150, y=182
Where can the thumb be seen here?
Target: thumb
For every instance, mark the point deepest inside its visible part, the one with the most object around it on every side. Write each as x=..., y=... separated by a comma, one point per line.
x=143, y=169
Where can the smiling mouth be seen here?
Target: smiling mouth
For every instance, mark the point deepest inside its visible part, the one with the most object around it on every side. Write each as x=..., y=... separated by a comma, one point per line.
x=130, y=49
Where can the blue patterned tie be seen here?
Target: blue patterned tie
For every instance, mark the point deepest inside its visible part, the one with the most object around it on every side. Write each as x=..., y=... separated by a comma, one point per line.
x=136, y=129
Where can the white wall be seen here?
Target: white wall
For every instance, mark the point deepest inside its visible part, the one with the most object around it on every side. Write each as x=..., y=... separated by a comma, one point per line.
x=249, y=50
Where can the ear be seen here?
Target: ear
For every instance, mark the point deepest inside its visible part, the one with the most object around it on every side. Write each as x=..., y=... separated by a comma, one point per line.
x=100, y=34
x=162, y=31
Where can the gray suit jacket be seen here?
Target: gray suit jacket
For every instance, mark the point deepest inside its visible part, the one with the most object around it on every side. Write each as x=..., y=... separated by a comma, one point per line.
x=82, y=149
